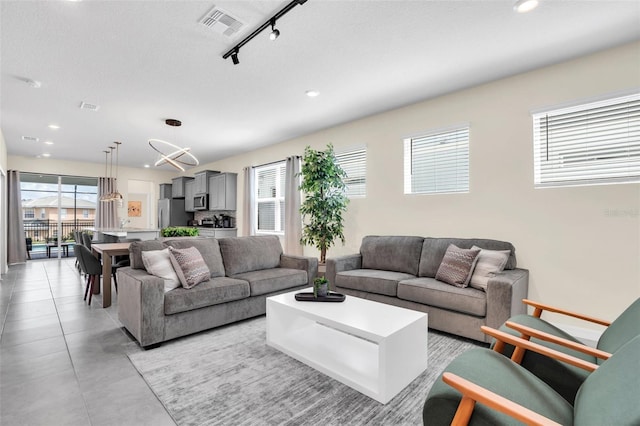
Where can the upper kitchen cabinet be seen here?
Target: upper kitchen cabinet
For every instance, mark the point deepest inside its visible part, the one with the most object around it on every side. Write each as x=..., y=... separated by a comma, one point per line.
x=177, y=186
x=165, y=190
x=222, y=191
x=189, y=193
x=201, y=186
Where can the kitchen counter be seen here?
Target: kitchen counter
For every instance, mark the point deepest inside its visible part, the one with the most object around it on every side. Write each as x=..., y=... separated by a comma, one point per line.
x=217, y=232
x=141, y=233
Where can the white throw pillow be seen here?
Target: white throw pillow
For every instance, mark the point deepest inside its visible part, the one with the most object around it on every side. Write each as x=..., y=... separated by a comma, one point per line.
x=489, y=263
x=158, y=263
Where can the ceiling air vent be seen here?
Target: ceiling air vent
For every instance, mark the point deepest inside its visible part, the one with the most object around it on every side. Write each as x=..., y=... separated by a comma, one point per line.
x=221, y=22
x=90, y=107
x=30, y=138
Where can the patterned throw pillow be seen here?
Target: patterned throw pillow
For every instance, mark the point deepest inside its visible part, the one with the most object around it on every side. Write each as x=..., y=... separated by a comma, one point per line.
x=189, y=266
x=158, y=263
x=490, y=262
x=457, y=266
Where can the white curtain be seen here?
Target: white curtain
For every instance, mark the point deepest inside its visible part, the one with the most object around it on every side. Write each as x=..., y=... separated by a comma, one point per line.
x=248, y=203
x=16, y=240
x=292, y=217
x=106, y=212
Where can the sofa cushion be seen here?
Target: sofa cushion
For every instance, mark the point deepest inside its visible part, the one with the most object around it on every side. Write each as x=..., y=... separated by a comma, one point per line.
x=213, y=292
x=269, y=280
x=189, y=265
x=433, y=250
x=137, y=247
x=158, y=263
x=372, y=280
x=488, y=264
x=457, y=266
x=246, y=254
x=432, y=292
x=208, y=248
x=391, y=253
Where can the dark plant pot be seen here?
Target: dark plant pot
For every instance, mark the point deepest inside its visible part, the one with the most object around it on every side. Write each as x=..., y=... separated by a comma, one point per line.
x=321, y=290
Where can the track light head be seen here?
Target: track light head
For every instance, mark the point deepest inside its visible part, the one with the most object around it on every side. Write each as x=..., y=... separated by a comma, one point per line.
x=274, y=32
x=234, y=58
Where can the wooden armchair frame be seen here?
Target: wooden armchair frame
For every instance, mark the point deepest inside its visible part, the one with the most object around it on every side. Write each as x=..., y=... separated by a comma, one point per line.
x=472, y=393
x=540, y=307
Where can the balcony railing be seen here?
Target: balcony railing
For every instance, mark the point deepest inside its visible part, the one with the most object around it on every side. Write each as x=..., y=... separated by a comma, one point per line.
x=46, y=230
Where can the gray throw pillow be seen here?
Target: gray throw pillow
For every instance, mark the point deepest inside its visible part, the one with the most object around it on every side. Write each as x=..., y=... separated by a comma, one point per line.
x=189, y=266
x=490, y=262
x=457, y=266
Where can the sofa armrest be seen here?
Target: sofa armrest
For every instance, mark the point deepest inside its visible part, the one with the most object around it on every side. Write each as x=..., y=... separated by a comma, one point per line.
x=340, y=264
x=309, y=264
x=505, y=292
x=141, y=305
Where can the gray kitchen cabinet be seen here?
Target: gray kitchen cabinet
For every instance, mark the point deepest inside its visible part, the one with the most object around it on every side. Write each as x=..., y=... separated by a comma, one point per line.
x=206, y=232
x=202, y=181
x=165, y=190
x=222, y=191
x=189, y=193
x=177, y=186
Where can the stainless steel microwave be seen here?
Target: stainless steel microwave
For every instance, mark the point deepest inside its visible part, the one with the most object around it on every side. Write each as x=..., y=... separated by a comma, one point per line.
x=200, y=202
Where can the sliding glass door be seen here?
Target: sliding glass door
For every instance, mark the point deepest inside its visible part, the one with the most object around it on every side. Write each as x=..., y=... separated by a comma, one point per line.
x=53, y=207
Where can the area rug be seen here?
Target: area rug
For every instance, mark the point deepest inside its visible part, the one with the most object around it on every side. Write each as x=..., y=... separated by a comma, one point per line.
x=229, y=376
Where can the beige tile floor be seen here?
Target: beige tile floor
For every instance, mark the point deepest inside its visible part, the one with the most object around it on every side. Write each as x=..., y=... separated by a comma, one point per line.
x=63, y=362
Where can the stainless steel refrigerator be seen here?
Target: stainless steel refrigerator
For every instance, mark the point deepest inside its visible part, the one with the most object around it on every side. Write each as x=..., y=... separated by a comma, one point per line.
x=171, y=213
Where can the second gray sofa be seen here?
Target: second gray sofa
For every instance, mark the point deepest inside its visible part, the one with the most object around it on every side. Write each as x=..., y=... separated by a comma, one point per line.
x=401, y=271
x=244, y=272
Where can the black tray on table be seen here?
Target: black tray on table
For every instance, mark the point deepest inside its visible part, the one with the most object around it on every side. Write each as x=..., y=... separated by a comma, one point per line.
x=330, y=297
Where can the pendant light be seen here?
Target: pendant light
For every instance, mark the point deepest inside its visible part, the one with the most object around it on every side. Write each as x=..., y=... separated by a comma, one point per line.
x=105, y=197
x=117, y=196
x=177, y=156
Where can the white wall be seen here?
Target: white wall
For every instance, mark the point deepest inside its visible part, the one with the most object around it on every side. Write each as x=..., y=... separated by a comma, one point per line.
x=581, y=244
x=153, y=177
x=3, y=204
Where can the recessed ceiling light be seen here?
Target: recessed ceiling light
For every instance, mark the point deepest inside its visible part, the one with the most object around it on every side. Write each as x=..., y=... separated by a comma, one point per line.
x=48, y=143
x=523, y=6
x=54, y=126
x=46, y=154
x=146, y=166
x=33, y=83
x=312, y=93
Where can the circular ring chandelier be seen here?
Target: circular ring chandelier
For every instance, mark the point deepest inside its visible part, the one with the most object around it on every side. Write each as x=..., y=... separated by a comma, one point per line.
x=177, y=156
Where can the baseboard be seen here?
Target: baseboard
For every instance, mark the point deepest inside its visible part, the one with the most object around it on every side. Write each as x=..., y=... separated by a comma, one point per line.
x=586, y=335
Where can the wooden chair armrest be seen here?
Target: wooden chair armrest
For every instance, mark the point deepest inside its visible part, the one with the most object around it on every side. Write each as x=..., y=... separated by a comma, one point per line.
x=539, y=307
x=522, y=345
x=532, y=332
x=472, y=393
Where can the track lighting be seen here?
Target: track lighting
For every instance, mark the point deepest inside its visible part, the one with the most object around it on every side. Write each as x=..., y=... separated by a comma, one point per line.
x=274, y=32
x=523, y=6
x=233, y=52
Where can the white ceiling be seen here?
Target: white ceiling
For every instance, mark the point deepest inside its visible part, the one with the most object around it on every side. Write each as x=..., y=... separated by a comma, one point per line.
x=145, y=61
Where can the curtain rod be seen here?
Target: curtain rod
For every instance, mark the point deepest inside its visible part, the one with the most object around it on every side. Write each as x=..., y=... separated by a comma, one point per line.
x=277, y=161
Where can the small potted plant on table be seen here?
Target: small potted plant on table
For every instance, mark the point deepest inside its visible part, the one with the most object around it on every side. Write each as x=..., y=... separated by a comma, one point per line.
x=320, y=287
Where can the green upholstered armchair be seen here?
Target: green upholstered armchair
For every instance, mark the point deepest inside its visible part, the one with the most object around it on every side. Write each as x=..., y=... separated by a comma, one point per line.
x=482, y=387
x=565, y=378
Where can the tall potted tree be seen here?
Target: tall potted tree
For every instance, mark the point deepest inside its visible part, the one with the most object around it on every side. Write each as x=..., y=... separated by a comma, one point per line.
x=325, y=199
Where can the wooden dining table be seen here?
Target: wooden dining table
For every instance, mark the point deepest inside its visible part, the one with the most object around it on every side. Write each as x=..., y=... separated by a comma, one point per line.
x=107, y=250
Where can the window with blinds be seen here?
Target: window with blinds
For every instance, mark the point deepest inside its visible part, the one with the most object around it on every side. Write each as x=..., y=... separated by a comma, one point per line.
x=589, y=144
x=270, y=183
x=354, y=162
x=437, y=162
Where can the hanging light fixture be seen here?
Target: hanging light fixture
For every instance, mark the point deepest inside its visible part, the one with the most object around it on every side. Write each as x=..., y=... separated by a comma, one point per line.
x=117, y=196
x=105, y=197
x=175, y=157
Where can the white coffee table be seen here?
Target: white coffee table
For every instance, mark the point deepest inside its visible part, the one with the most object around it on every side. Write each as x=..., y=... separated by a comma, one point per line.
x=374, y=348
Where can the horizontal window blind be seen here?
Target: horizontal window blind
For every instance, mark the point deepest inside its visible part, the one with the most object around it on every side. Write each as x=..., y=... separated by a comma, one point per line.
x=437, y=162
x=593, y=143
x=354, y=163
x=269, y=197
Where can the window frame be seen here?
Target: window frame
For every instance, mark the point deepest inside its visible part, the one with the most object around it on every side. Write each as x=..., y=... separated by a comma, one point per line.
x=360, y=165
x=278, y=199
x=440, y=135
x=588, y=165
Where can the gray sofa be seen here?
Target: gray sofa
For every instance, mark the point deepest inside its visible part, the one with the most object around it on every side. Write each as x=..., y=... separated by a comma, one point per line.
x=401, y=270
x=244, y=272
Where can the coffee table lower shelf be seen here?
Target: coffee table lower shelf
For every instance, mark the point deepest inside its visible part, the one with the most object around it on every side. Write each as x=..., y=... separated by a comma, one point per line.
x=379, y=370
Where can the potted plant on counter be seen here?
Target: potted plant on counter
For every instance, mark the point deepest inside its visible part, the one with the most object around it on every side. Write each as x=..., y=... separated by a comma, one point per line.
x=179, y=231
x=325, y=200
